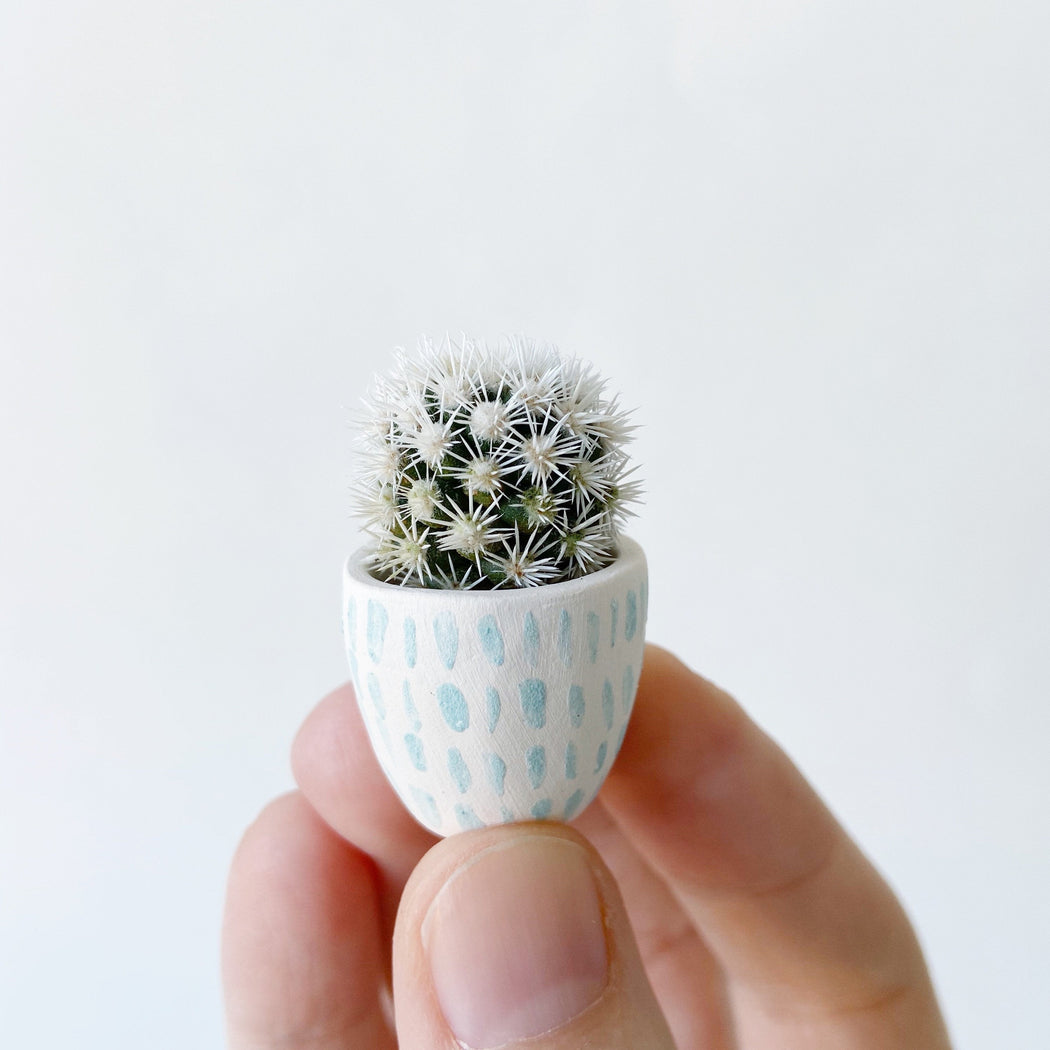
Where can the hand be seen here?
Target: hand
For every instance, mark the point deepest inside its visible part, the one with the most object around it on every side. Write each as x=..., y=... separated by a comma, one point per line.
x=708, y=899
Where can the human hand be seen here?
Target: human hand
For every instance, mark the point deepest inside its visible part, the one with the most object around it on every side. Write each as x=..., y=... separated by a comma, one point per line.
x=707, y=899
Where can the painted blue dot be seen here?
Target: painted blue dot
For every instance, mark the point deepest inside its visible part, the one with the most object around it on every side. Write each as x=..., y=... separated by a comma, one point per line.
x=542, y=809
x=614, y=617
x=496, y=769
x=531, y=639
x=603, y=750
x=446, y=634
x=376, y=693
x=565, y=638
x=458, y=770
x=467, y=818
x=410, y=708
x=492, y=707
x=491, y=640
x=630, y=620
x=534, y=702
x=570, y=761
x=351, y=622
x=414, y=746
x=453, y=706
x=627, y=696
x=536, y=759
x=573, y=804
x=427, y=807
x=377, y=621
x=410, y=641
x=592, y=635
x=388, y=747
x=506, y=816
x=577, y=708
x=608, y=703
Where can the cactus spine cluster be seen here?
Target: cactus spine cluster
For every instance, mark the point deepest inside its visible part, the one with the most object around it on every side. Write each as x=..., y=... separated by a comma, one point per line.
x=486, y=468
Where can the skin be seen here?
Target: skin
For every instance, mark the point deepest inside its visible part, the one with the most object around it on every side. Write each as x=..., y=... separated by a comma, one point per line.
x=737, y=911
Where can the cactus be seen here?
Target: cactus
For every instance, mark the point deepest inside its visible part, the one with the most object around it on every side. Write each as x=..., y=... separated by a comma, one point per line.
x=492, y=468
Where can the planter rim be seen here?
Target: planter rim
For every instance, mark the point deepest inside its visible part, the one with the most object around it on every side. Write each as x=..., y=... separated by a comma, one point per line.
x=630, y=554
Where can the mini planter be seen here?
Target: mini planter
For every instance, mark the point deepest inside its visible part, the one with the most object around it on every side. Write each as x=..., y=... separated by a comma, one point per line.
x=486, y=707
x=496, y=626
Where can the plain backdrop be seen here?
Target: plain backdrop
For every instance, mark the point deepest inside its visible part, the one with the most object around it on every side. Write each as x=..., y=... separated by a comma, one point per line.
x=810, y=243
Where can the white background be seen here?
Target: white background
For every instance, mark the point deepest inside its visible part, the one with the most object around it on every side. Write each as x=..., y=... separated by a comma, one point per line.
x=808, y=240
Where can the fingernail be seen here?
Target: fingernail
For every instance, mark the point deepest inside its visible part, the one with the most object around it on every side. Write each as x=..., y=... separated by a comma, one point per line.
x=516, y=941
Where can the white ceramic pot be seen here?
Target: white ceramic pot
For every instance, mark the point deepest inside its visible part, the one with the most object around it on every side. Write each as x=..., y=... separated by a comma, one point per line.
x=486, y=707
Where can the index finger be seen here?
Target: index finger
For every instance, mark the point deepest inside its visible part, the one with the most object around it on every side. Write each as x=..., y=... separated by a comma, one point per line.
x=807, y=931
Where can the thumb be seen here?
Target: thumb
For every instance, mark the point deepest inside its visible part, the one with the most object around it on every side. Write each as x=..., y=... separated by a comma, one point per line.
x=515, y=933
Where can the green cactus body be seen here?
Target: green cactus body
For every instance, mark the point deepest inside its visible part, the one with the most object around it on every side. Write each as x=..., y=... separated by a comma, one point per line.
x=492, y=468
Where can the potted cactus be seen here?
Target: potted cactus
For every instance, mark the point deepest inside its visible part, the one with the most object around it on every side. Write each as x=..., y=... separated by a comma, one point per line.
x=495, y=622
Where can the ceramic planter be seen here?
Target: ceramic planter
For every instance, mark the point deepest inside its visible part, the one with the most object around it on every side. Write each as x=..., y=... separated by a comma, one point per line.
x=486, y=707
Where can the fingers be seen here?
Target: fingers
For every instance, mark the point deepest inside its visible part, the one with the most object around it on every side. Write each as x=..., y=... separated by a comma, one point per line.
x=804, y=927
x=516, y=933
x=302, y=956
x=337, y=771
x=686, y=979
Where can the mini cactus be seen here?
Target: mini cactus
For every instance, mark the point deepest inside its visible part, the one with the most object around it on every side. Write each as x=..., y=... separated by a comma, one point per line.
x=492, y=468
